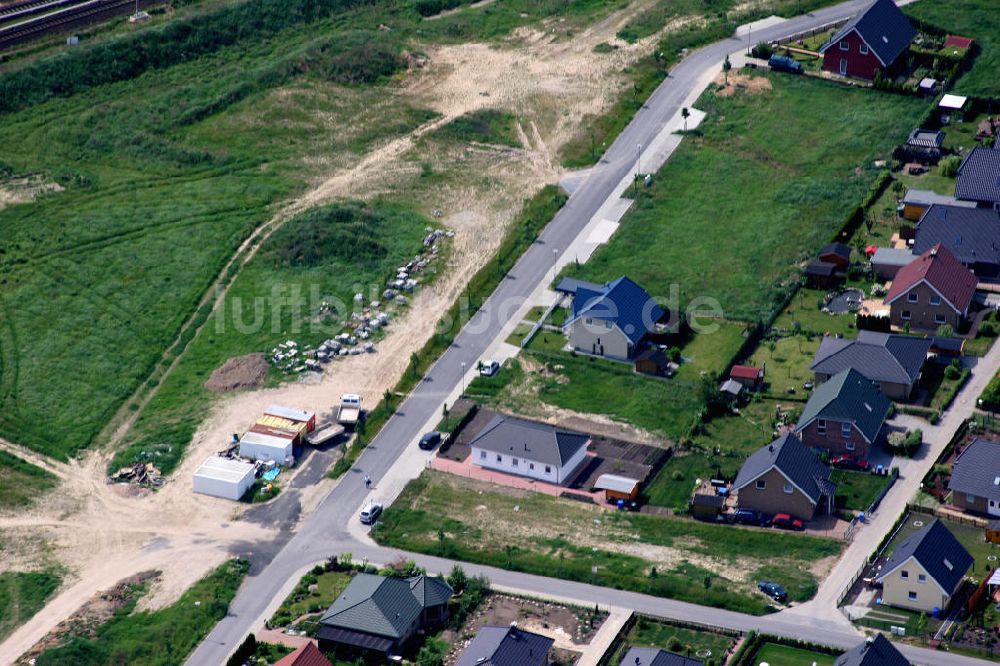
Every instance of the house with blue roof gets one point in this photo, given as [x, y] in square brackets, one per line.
[871, 42]
[610, 319]
[925, 570]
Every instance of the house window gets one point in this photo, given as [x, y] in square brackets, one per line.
[850, 446]
[589, 321]
[548, 469]
[845, 429]
[864, 49]
[531, 466]
[970, 498]
[761, 484]
[788, 489]
[499, 458]
[935, 300]
[844, 46]
[921, 578]
[911, 297]
[904, 573]
[911, 595]
[513, 461]
[905, 314]
[939, 319]
[482, 455]
[820, 426]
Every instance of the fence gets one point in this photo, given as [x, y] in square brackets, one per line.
[811, 33]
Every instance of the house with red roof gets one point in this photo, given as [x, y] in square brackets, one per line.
[307, 655]
[871, 42]
[932, 290]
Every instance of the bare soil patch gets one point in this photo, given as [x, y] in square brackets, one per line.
[239, 372]
[25, 188]
[742, 83]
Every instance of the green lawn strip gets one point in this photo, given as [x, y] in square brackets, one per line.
[22, 594]
[674, 484]
[711, 351]
[783, 655]
[444, 516]
[21, 483]
[739, 435]
[329, 585]
[154, 638]
[943, 383]
[969, 18]
[985, 336]
[804, 313]
[857, 490]
[786, 365]
[788, 165]
[647, 632]
[519, 333]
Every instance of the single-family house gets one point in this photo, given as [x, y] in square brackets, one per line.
[307, 655]
[611, 319]
[785, 477]
[932, 290]
[382, 614]
[844, 415]
[837, 254]
[506, 646]
[869, 43]
[916, 202]
[877, 650]
[526, 448]
[971, 234]
[747, 375]
[894, 362]
[975, 478]
[887, 261]
[640, 656]
[925, 570]
[978, 177]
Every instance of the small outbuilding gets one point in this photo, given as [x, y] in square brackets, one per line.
[887, 261]
[262, 443]
[747, 375]
[303, 416]
[952, 107]
[837, 254]
[916, 202]
[652, 361]
[223, 477]
[993, 536]
[821, 273]
[617, 487]
[707, 507]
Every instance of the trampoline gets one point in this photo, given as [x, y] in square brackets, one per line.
[846, 301]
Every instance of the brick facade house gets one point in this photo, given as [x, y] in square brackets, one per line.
[845, 415]
[871, 42]
[933, 290]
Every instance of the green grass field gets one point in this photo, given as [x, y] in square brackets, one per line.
[674, 484]
[857, 490]
[21, 482]
[22, 595]
[969, 18]
[786, 365]
[714, 565]
[805, 314]
[784, 655]
[647, 632]
[154, 638]
[788, 165]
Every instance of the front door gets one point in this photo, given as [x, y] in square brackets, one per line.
[843, 66]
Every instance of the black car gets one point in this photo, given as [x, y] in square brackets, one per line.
[773, 590]
[430, 440]
[750, 517]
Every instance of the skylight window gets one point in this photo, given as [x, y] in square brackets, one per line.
[948, 564]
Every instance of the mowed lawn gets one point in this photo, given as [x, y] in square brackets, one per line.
[784, 655]
[647, 632]
[970, 18]
[768, 178]
[708, 564]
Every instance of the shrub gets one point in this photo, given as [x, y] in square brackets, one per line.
[952, 373]
[363, 56]
[988, 329]
[949, 166]
[762, 50]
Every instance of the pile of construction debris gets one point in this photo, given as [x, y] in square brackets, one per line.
[143, 474]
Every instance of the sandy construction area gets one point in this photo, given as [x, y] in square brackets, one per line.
[101, 533]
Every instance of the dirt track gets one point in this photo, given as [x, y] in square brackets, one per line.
[101, 533]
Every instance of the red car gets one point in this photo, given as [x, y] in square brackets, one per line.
[849, 462]
[786, 522]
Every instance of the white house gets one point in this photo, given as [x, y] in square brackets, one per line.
[223, 477]
[526, 448]
[611, 319]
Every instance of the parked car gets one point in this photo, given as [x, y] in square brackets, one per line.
[773, 590]
[849, 462]
[750, 517]
[489, 367]
[780, 63]
[370, 513]
[786, 522]
[430, 440]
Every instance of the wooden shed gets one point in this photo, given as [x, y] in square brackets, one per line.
[617, 487]
[993, 531]
[707, 507]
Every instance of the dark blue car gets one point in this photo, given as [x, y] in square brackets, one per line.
[750, 517]
[784, 64]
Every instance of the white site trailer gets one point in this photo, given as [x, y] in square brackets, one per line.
[259, 446]
[223, 477]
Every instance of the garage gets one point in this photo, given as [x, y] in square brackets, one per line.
[224, 477]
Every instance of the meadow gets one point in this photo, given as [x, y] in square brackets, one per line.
[788, 163]
[21, 482]
[22, 594]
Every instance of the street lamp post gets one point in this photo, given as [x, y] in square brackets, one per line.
[748, 38]
[555, 260]
[463, 379]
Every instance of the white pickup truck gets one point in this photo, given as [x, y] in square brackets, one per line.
[350, 409]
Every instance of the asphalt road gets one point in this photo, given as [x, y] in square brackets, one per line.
[324, 533]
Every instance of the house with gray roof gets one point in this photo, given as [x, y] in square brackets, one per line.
[925, 570]
[844, 415]
[382, 614]
[526, 448]
[610, 319]
[506, 646]
[639, 656]
[971, 234]
[978, 177]
[785, 476]
[975, 478]
[870, 43]
[893, 361]
[877, 650]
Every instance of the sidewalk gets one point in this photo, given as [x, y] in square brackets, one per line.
[606, 635]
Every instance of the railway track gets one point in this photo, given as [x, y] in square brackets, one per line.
[25, 8]
[55, 16]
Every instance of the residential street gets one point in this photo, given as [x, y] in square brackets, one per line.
[277, 566]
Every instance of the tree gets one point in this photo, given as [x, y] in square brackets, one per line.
[945, 331]
[457, 579]
[444, 414]
[726, 66]
[920, 624]
[387, 398]
[685, 114]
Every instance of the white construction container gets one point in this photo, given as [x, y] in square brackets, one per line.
[223, 477]
[258, 446]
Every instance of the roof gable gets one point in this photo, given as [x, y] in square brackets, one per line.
[876, 651]
[849, 397]
[539, 442]
[978, 176]
[883, 27]
[971, 234]
[794, 460]
[622, 302]
[977, 470]
[307, 655]
[939, 269]
[506, 646]
[881, 357]
[380, 605]
[937, 550]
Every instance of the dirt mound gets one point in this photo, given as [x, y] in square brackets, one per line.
[239, 372]
[741, 82]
